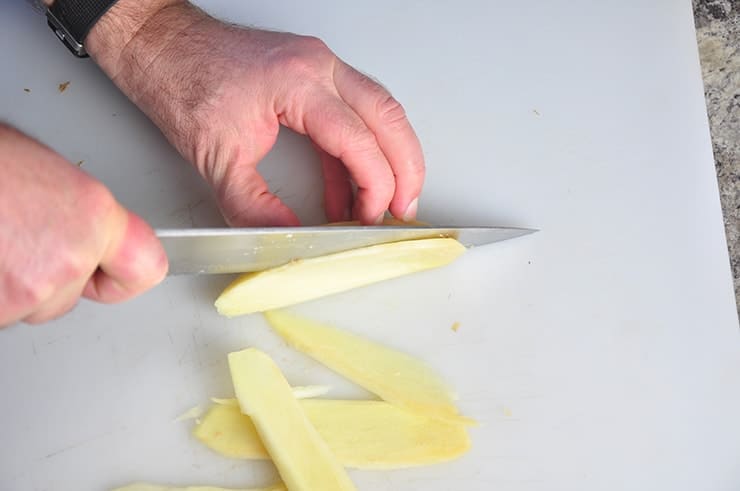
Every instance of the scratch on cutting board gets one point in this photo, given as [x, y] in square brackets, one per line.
[78, 444]
[60, 338]
[185, 212]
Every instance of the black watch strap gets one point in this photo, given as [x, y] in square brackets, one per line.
[71, 21]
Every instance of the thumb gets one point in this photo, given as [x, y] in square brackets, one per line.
[246, 201]
[133, 261]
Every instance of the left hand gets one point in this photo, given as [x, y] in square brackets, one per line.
[219, 94]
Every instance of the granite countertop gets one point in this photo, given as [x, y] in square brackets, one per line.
[718, 35]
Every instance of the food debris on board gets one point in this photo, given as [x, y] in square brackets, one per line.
[193, 413]
[455, 326]
[63, 86]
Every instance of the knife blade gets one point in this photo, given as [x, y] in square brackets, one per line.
[238, 250]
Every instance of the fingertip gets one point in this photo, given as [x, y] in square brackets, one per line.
[374, 196]
[409, 182]
[130, 266]
[366, 210]
[411, 210]
[143, 250]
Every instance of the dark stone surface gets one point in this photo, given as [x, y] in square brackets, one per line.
[718, 36]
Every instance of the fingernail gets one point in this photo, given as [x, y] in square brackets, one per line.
[410, 212]
[379, 220]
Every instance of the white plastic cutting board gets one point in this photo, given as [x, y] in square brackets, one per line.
[602, 353]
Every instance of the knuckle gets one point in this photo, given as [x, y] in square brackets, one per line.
[390, 111]
[301, 67]
[358, 139]
[314, 44]
[305, 57]
[97, 201]
[25, 293]
[417, 168]
[382, 187]
[71, 267]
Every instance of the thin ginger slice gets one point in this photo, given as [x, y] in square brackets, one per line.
[142, 486]
[362, 434]
[394, 376]
[299, 392]
[308, 279]
[302, 457]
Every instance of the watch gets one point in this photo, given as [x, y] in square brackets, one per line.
[71, 21]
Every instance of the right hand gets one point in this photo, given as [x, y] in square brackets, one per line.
[63, 235]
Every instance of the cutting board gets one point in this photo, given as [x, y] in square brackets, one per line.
[601, 353]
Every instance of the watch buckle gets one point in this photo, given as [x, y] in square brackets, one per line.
[65, 36]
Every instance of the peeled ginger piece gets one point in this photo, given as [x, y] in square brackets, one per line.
[394, 376]
[303, 459]
[140, 486]
[308, 279]
[361, 434]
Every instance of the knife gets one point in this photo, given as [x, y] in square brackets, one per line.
[238, 250]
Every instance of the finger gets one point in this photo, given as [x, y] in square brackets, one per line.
[337, 188]
[339, 131]
[246, 201]
[133, 261]
[387, 119]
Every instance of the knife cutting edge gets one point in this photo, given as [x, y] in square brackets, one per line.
[237, 250]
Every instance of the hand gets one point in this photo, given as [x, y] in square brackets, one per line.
[219, 94]
[62, 235]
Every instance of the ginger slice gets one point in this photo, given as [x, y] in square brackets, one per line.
[394, 376]
[302, 457]
[362, 434]
[308, 279]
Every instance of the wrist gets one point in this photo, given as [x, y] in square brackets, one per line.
[116, 29]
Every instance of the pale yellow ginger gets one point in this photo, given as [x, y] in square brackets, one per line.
[394, 376]
[302, 457]
[312, 278]
[361, 434]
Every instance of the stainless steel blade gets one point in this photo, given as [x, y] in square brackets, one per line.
[222, 250]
